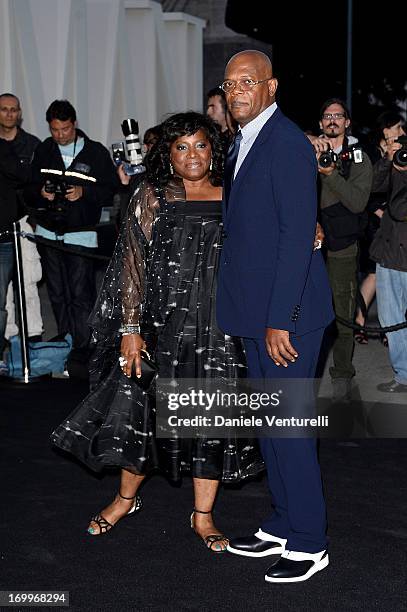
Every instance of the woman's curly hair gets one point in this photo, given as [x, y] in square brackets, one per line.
[181, 124]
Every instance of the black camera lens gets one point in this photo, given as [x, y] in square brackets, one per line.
[326, 159]
[400, 156]
[49, 187]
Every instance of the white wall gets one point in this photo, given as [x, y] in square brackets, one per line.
[111, 58]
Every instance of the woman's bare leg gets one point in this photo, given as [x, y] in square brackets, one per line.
[368, 290]
[205, 492]
[129, 483]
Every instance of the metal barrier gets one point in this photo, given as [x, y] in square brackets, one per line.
[17, 234]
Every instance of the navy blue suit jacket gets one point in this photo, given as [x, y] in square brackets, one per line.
[269, 275]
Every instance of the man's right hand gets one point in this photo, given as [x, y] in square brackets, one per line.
[131, 346]
[391, 148]
[46, 195]
[321, 144]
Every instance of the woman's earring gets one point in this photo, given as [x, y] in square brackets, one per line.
[171, 168]
[211, 165]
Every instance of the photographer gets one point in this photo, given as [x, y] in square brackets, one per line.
[130, 183]
[389, 251]
[73, 178]
[345, 184]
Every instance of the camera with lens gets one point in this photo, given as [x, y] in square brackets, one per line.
[58, 187]
[58, 207]
[128, 152]
[400, 156]
[327, 158]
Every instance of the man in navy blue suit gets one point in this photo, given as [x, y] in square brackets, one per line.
[273, 291]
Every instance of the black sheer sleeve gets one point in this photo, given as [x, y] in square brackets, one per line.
[121, 296]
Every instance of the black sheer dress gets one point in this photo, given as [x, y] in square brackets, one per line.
[163, 276]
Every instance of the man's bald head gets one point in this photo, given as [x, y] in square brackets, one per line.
[260, 59]
[253, 68]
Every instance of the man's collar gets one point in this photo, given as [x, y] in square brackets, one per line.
[351, 141]
[254, 126]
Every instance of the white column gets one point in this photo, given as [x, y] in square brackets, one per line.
[111, 58]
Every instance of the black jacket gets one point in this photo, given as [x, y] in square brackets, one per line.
[24, 145]
[389, 247]
[13, 175]
[92, 169]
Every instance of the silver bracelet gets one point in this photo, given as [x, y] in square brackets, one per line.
[127, 330]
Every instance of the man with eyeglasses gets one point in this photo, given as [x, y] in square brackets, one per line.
[273, 292]
[345, 190]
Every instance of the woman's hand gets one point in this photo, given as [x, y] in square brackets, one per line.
[130, 349]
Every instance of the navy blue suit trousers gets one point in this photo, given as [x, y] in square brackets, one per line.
[293, 471]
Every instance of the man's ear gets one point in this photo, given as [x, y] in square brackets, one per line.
[347, 123]
[273, 84]
[320, 126]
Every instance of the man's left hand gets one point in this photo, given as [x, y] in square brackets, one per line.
[279, 347]
[74, 193]
[319, 236]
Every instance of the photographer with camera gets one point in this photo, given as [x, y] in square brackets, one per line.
[345, 182]
[389, 251]
[73, 178]
[131, 176]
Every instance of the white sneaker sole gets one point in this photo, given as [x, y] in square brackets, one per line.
[317, 567]
[277, 550]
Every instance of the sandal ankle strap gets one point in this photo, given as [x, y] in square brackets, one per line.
[122, 496]
[202, 511]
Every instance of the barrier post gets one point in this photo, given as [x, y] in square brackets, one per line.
[21, 305]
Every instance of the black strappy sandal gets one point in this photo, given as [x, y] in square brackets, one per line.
[104, 525]
[210, 539]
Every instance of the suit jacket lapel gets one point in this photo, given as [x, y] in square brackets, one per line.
[263, 137]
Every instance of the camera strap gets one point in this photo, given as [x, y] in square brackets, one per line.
[74, 149]
[345, 164]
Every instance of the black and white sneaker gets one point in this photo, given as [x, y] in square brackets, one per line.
[296, 566]
[260, 544]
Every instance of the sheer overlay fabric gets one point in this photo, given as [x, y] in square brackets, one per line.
[162, 276]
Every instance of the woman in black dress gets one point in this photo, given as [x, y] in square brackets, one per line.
[159, 293]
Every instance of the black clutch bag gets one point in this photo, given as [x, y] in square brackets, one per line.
[149, 371]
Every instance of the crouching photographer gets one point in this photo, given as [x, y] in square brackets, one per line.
[345, 181]
[73, 177]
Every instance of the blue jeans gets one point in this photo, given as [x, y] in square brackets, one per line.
[6, 275]
[391, 295]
